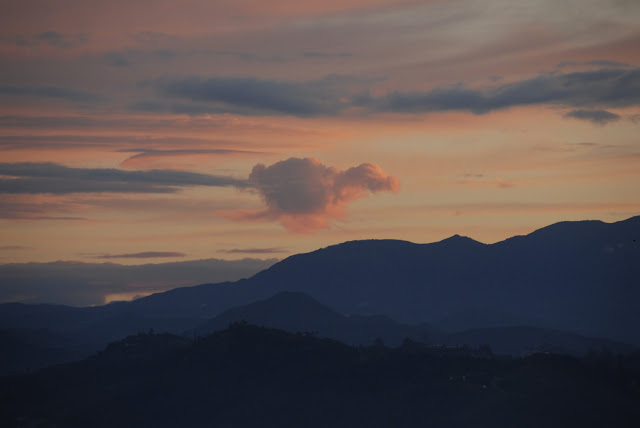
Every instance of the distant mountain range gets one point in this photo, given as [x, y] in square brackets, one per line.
[577, 277]
[298, 312]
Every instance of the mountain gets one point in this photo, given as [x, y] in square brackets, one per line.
[35, 336]
[575, 276]
[478, 317]
[579, 277]
[249, 376]
[23, 350]
[298, 312]
[524, 340]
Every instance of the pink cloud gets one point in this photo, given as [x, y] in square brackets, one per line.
[304, 195]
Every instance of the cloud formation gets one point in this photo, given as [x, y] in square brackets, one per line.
[604, 87]
[58, 92]
[271, 250]
[142, 255]
[615, 85]
[304, 195]
[117, 59]
[51, 38]
[600, 117]
[243, 95]
[33, 178]
[152, 157]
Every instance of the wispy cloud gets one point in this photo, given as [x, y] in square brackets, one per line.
[50, 38]
[14, 248]
[483, 180]
[271, 250]
[58, 92]
[596, 63]
[118, 59]
[324, 55]
[153, 37]
[604, 87]
[259, 96]
[146, 157]
[38, 210]
[141, 255]
[607, 63]
[58, 179]
[600, 117]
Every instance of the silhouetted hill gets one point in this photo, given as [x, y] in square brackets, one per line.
[298, 312]
[35, 336]
[23, 350]
[578, 276]
[483, 318]
[247, 376]
[523, 340]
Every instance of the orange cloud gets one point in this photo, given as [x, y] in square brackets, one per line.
[304, 195]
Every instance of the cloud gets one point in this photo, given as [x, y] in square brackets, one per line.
[600, 117]
[243, 95]
[604, 87]
[153, 37]
[606, 63]
[147, 157]
[33, 178]
[50, 38]
[246, 56]
[317, 54]
[59, 40]
[84, 284]
[272, 250]
[616, 86]
[10, 208]
[118, 59]
[304, 195]
[595, 62]
[563, 64]
[14, 248]
[483, 180]
[142, 255]
[124, 142]
[57, 92]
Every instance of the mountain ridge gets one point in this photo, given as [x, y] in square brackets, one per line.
[539, 275]
[578, 277]
[300, 313]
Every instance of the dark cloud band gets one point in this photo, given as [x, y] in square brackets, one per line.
[58, 179]
[58, 92]
[142, 255]
[258, 96]
[615, 86]
[605, 87]
[272, 250]
[601, 117]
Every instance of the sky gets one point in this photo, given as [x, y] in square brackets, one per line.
[164, 132]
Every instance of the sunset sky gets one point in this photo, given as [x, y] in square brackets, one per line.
[144, 131]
